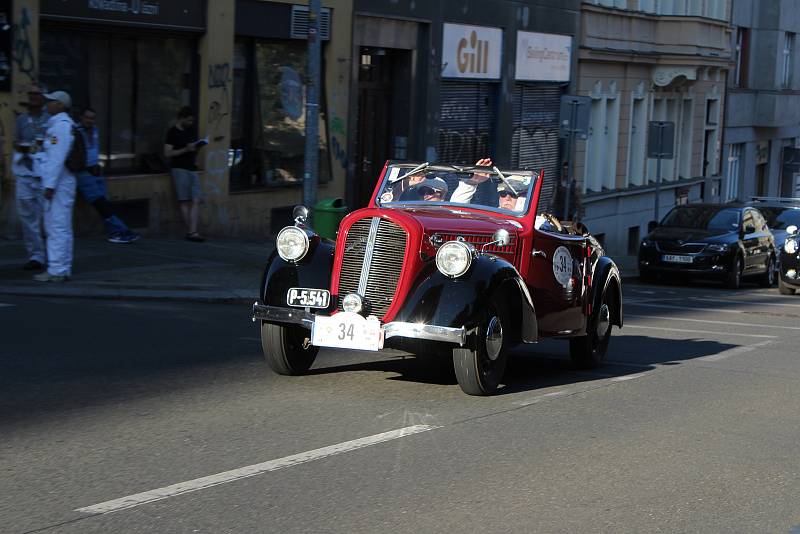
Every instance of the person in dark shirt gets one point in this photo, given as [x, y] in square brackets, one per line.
[181, 148]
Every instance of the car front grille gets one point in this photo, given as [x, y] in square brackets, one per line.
[508, 252]
[377, 274]
[675, 248]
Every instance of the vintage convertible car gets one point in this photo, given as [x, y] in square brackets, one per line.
[445, 260]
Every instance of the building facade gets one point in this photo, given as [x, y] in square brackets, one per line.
[642, 61]
[762, 121]
[240, 64]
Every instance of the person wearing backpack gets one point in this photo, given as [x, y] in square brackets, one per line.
[92, 183]
[58, 185]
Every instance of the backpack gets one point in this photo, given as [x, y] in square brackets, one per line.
[76, 159]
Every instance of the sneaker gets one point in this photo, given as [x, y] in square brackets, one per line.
[47, 277]
[196, 237]
[33, 265]
[119, 237]
[133, 236]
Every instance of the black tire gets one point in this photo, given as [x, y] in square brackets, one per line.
[784, 288]
[769, 278]
[480, 369]
[590, 350]
[287, 349]
[734, 278]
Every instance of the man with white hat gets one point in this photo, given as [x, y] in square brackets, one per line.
[58, 184]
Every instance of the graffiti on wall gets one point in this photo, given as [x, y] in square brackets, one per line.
[219, 78]
[22, 53]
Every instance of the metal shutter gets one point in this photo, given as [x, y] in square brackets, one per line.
[535, 144]
[466, 121]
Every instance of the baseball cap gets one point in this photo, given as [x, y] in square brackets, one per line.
[437, 184]
[35, 88]
[519, 183]
[60, 96]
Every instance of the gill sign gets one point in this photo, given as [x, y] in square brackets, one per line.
[471, 51]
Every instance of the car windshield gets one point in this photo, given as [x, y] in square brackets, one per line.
[778, 218]
[703, 218]
[483, 187]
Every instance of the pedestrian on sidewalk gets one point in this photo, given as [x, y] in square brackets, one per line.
[92, 183]
[181, 147]
[58, 184]
[29, 133]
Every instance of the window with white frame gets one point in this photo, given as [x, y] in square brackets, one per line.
[637, 140]
[601, 154]
[742, 46]
[788, 56]
[665, 108]
[733, 171]
[685, 138]
[710, 155]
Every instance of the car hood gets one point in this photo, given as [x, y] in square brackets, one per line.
[692, 235]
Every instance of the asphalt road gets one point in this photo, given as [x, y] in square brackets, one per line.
[114, 416]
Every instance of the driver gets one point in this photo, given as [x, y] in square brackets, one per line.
[508, 199]
[431, 189]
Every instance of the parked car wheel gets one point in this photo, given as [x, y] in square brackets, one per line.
[768, 279]
[785, 289]
[590, 350]
[480, 369]
[287, 349]
[734, 278]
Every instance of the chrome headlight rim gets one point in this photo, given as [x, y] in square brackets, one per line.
[460, 247]
[294, 230]
[790, 246]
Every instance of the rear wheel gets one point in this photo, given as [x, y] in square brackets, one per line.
[287, 349]
[784, 288]
[734, 278]
[590, 350]
[480, 369]
[769, 277]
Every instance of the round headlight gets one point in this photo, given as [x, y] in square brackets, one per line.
[790, 246]
[292, 243]
[453, 258]
[352, 302]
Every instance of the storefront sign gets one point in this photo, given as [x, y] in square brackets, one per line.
[543, 57]
[174, 14]
[471, 51]
[5, 44]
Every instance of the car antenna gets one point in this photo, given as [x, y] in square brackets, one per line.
[500, 174]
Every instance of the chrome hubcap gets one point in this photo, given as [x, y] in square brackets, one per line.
[603, 321]
[494, 338]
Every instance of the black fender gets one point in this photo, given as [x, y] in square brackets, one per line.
[606, 278]
[455, 302]
[313, 271]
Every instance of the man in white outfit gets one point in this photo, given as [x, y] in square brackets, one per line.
[58, 185]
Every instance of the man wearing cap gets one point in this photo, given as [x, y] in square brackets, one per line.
[58, 184]
[29, 130]
[509, 198]
[431, 189]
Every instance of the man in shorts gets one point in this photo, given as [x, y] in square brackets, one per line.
[181, 148]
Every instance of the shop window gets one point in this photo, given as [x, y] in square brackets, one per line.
[136, 84]
[268, 122]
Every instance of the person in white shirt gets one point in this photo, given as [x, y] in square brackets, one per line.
[58, 184]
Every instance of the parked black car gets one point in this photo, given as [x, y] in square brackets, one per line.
[780, 213]
[722, 241]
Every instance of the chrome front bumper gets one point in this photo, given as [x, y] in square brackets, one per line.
[275, 314]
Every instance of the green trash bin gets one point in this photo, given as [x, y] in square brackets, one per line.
[327, 215]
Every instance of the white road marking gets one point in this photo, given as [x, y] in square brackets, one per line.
[180, 488]
[727, 323]
[740, 301]
[698, 331]
[682, 308]
[733, 352]
[539, 398]
[627, 377]
[4, 305]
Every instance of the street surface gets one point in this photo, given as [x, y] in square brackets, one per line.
[131, 417]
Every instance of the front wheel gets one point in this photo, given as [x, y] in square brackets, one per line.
[480, 369]
[590, 350]
[784, 288]
[734, 278]
[769, 277]
[287, 349]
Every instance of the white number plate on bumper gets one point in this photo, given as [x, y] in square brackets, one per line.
[308, 298]
[676, 259]
[347, 330]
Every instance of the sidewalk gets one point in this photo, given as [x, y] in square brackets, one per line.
[219, 270]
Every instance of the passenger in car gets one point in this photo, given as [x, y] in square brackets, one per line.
[431, 190]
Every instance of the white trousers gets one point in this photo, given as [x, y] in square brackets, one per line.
[30, 207]
[58, 227]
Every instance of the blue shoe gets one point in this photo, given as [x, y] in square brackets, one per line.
[133, 236]
[119, 237]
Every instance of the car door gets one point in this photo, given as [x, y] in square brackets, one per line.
[556, 281]
[751, 242]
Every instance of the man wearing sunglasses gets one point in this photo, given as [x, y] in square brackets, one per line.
[432, 189]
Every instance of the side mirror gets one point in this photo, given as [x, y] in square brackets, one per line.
[300, 214]
[791, 229]
[652, 225]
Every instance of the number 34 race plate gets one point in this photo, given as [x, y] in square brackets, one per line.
[347, 330]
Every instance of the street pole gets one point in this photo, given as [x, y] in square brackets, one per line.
[311, 170]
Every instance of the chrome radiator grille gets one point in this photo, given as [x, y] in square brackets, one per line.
[379, 246]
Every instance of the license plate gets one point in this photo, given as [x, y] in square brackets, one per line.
[308, 298]
[347, 330]
[677, 259]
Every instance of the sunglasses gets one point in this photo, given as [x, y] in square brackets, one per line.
[427, 191]
[507, 194]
